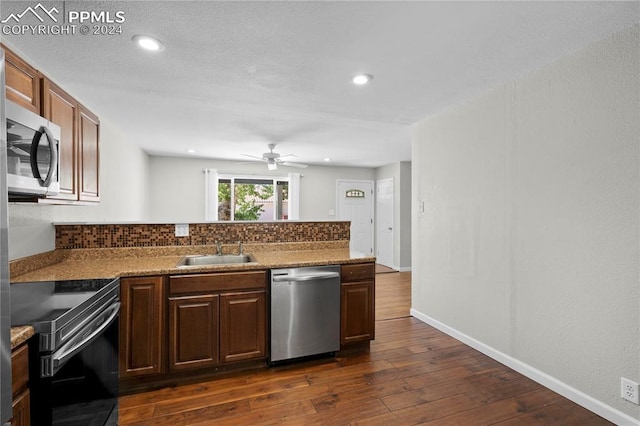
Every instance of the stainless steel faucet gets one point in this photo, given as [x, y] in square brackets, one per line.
[240, 248]
[219, 247]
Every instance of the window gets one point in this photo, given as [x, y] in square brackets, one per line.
[256, 198]
[252, 199]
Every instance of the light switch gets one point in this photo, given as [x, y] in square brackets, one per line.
[182, 229]
[332, 212]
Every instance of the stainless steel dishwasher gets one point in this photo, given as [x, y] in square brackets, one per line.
[305, 312]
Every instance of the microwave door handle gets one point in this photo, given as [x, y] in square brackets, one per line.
[53, 157]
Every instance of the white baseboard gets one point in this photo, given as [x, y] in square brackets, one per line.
[398, 268]
[580, 398]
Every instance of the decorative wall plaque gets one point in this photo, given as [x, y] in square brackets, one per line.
[354, 193]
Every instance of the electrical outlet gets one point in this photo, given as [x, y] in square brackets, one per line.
[182, 230]
[630, 391]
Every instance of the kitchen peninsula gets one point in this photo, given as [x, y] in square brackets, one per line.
[162, 302]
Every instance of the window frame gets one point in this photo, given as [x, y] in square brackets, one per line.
[232, 177]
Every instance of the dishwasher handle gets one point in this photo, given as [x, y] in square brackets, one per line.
[308, 277]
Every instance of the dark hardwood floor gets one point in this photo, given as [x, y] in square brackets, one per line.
[412, 374]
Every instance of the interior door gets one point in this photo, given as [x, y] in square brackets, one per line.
[355, 204]
[384, 222]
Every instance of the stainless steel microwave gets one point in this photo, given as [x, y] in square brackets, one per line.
[32, 153]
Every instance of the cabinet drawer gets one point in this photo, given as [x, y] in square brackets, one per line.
[224, 281]
[358, 272]
[19, 369]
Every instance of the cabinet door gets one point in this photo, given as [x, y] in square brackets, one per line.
[243, 326]
[141, 326]
[22, 82]
[19, 369]
[19, 382]
[88, 155]
[21, 409]
[193, 331]
[60, 108]
[357, 312]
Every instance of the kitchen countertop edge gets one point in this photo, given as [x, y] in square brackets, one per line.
[56, 266]
[20, 334]
[108, 266]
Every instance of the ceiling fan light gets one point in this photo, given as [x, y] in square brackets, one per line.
[271, 165]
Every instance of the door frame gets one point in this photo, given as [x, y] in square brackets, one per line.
[379, 225]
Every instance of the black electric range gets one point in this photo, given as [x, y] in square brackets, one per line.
[58, 309]
[73, 364]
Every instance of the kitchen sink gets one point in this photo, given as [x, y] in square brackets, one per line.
[214, 259]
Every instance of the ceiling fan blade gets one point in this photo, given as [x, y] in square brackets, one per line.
[253, 156]
[298, 165]
[245, 162]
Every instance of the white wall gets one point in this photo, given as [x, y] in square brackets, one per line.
[177, 186]
[405, 216]
[529, 242]
[123, 197]
[401, 174]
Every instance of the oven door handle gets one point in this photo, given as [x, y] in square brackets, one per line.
[60, 357]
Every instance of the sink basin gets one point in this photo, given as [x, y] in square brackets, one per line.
[212, 259]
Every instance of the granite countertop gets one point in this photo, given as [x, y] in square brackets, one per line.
[140, 261]
[108, 263]
[20, 335]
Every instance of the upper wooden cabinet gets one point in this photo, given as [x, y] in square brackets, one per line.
[79, 154]
[88, 155]
[80, 129]
[60, 108]
[22, 81]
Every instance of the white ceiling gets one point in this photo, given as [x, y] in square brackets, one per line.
[237, 75]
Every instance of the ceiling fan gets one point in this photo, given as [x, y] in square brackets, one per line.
[273, 159]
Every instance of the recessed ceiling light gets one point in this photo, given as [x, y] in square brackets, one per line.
[327, 159]
[191, 151]
[362, 79]
[148, 43]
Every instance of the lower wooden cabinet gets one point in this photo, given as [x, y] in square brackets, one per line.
[206, 330]
[357, 300]
[193, 331]
[21, 409]
[19, 386]
[217, 318]
[141, 326]
[178, 327]
[243, 326]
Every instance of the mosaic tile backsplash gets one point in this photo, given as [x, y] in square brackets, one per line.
[154, 235]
